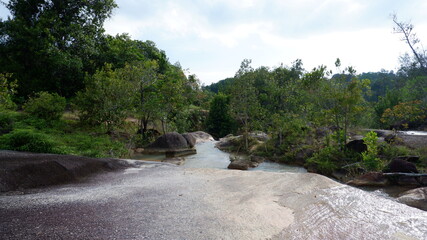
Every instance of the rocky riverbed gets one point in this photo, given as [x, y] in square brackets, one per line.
[163, 201]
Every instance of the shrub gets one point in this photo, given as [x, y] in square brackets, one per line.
[28, 141]
[48, 106]
[370, 157]
[7, 90]
[6, 123]
[390, 151]
[326, 160]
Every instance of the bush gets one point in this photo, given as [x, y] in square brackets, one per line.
[326, 160]
[28, 141]
[390, 151]
[7, 90]
[48, 106]
[370, 157]
[6, 123]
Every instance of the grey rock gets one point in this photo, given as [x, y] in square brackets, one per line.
[415, 198]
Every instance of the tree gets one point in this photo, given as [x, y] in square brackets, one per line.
[220, 122]
[406, 29]
[244, 102]
[49, 44]
[170, 87]
[142, 76]
[106, 99]
[344, 100]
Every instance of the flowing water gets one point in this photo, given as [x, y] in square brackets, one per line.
[208, 156]
[414, 133]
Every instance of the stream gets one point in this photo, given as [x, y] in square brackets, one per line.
[208, 156]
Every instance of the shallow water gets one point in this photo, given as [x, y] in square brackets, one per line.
[208, 156]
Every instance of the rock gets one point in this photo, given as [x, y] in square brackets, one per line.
[260, 136]
[239, 165]
[408, 181]
[139, 150]
[239, 162]
[226, 142]
[191, 140]
[21, 170]
[412, 159]
[202, 136]
[340, 174]
[170, 141]
[255, 161]
[392, 138]
[400, 165]
[415, 198]
[369, 179]
[357, 146]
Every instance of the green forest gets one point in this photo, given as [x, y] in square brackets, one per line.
[67, 87]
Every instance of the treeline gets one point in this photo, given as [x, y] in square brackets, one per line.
[55, 56]
[59, 47]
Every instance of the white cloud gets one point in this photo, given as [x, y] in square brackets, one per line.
[211, 37]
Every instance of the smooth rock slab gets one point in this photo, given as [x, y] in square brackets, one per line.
[161, 201]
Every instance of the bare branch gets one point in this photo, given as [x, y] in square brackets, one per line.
[411, 39]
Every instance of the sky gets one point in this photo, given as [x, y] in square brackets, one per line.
[210, 38]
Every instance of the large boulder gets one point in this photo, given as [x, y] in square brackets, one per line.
[169, 141]
[400, 165]
[202, 137]
[227, 142]
[357, 146]
[191, 140]
[415, 198]
[412, 159]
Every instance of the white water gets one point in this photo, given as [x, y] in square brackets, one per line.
[415, 133]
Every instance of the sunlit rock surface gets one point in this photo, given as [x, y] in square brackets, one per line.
[161, 201]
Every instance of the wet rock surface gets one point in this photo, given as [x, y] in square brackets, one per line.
[161, 201]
